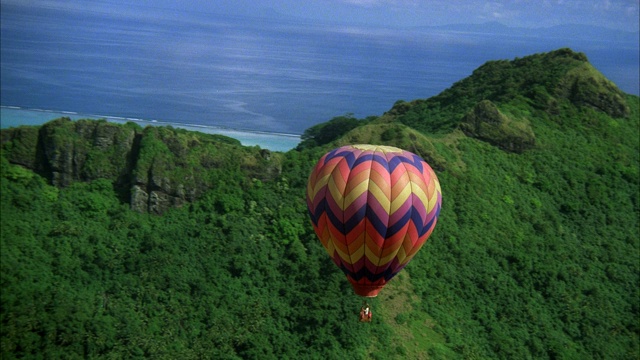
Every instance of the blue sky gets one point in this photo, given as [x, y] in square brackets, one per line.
[615, 14]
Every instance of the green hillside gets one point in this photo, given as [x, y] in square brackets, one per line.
[122, 242]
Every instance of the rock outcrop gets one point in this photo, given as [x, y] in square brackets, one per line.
[486, 122]
[69, 151]
[585, 86]
[153, 169]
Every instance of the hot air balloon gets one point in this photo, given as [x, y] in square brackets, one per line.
[372, 208]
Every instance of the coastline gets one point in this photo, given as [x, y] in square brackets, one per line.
[14, 116]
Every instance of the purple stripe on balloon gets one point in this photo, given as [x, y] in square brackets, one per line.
[418, 206]
[345, 266]
[371, 267]
[374, 206]
[356, 206]
[400, 212]
[386, 272]
[359, 265]
[390, 269]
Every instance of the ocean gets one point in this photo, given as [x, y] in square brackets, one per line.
[253, 75]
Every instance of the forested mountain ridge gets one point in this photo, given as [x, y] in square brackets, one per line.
[535, 254]
[505, 94]
[550, 83]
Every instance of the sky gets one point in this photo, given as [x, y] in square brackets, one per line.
[614, 14]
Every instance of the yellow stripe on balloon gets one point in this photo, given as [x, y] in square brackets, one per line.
[418, 191]
[336, 192]
[357, 255]
[329, 246]
[401, 198]
[401, 255]
[320, 183]
[386, 259]
[356, 244]
[343, 255]
[380, 195]
[432, 202]
[372, 256]
[354, 194]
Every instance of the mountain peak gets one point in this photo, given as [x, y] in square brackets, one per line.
[545, 82]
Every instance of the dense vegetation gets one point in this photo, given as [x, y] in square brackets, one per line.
[535, 256]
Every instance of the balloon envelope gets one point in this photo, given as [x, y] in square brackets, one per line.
[372, 208]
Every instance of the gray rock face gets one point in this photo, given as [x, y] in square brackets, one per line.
[84, 150]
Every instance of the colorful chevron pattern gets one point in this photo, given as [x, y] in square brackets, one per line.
[372, 208]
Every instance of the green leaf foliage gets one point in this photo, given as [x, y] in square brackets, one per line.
[535, 255]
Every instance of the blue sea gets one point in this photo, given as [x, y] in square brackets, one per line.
[254, 75]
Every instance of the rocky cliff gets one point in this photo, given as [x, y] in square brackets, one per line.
[153, 169]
